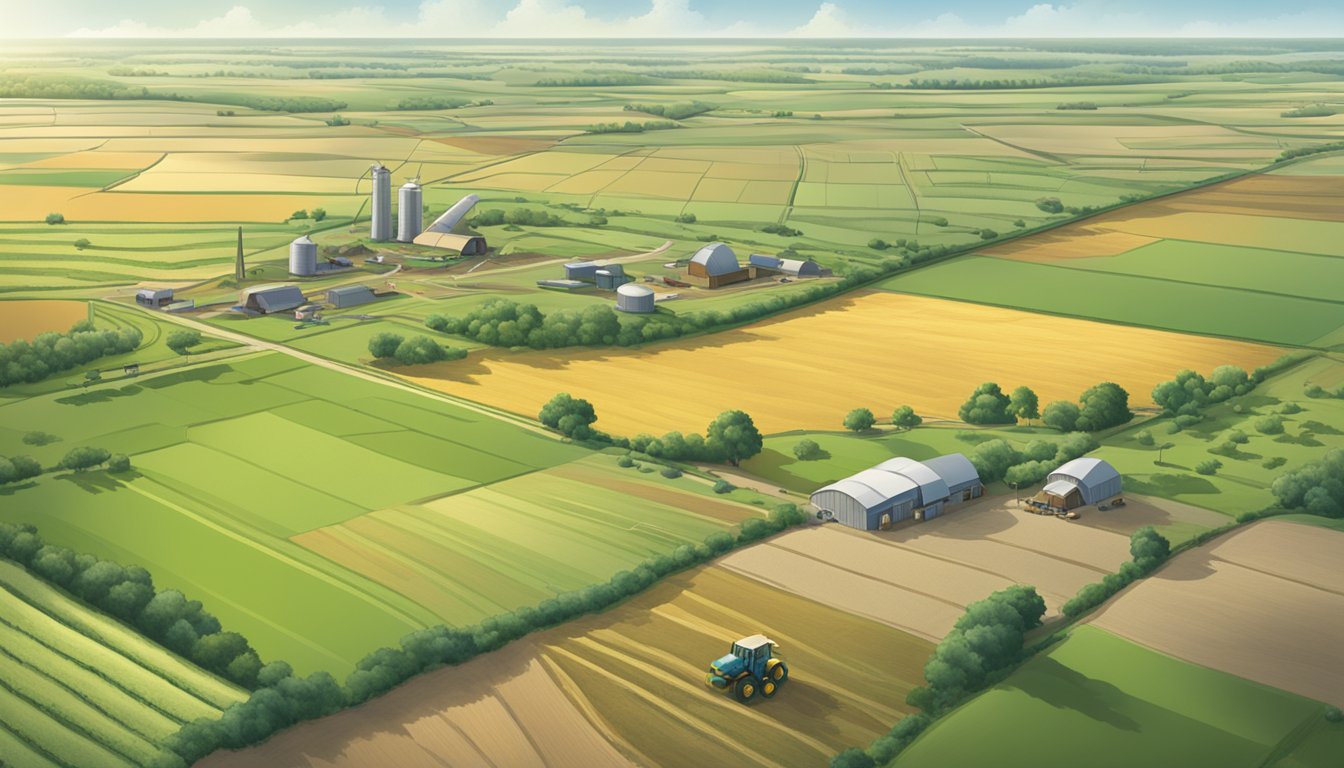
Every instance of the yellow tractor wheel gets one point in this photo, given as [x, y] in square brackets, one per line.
[768, 688]
[746, 688]
[777, 670]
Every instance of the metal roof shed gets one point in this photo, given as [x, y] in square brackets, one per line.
[1095, 479]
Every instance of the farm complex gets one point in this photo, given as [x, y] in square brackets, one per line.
[861, 403]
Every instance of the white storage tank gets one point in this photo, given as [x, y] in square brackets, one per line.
[633, 297]
[303, 257]
[380, 225]
[410, 211]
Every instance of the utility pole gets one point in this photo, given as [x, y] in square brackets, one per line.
[238, 266]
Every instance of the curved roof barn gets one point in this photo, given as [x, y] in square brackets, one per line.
[717, 259]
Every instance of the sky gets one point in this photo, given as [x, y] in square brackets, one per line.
[668, 18]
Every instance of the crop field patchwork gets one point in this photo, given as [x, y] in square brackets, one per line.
[79, 688]
[911, 350]
[21, 319]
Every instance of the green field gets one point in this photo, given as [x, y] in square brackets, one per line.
[1193, 307]
[79, 688]
[1108, 702]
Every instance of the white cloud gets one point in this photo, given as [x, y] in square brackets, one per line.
[830, 20]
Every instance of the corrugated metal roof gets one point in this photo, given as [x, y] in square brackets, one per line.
[454, 216]
[1090, 471]
[954, 468]
[717, 259]
[1060, 487]
[931, 486]
[444, 240]
[759, 260]
[349, 290]
[872, 487]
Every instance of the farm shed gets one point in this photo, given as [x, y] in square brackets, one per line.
[350, 296]
[266, 299]
[899, 489]
[609, 278]
[581, 270]
[467, 245]
[634, 298]
[801, 268]
[715, 265]
[763, 262]
[154, 297]
[1080, 482]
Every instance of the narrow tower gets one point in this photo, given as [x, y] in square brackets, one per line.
[238, 269]
[410, 201]
[380, 229]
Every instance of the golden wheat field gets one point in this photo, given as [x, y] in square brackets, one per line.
[26, 319]
[807, 369]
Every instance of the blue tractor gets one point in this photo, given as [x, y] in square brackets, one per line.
[750, 669]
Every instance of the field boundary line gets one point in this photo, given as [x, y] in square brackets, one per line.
[37, 749]
[75, 729]
[572, 692]
[862, 574]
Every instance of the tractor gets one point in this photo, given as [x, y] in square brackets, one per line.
[750, 669]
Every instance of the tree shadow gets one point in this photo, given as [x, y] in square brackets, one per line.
[1168, 485]
[1319, 428]
[104, 395]
[95, 481]
[1069, 689]
[1305, 439]
[205, 373]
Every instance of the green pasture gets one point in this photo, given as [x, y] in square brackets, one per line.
[1119, 704]
[1255, 315]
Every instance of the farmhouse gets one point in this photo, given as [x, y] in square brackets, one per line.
[350, 296]
[1079, 483]
[154, 297]
[265, 299]
[715, 265]
[899, 489]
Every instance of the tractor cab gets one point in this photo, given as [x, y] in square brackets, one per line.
[750, 667]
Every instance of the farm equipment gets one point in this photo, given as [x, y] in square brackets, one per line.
[749, 669]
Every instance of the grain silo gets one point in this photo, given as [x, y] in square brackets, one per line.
[410, 210]
[632, 297]
[380, 228]
[303, 257]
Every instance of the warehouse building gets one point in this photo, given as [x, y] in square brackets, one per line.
[303, 257]
[581, 270]
[350, 296]
[715, 265]
[154, 297]
[611, 277]
[1078, 483]
[635, 298]
[266, 299]
[899, 489]
[764, 266]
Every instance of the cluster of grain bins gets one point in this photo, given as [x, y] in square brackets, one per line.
[899, 489]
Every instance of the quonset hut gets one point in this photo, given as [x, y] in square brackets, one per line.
[1080, 482]
[715, 265]
[899, 489]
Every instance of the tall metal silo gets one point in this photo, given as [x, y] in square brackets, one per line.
[303, 257]
[410, 211]
[380, 228]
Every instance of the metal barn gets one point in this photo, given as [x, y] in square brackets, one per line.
[1081, 482]
[899, 489]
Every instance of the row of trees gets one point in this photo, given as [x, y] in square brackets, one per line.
[1147, 548]
[862, 419]
[51, 353]
[679, 110]
[518, 217]
[1317, 488]
[284, 700]
[732, 436]
[630, 126]
[1099, 407]
[504, 323]
[1187, 395]
[1001, 460]
[416, 350]
[128, 593]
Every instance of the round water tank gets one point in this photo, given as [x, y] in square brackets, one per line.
[633, 297]
[303, 257]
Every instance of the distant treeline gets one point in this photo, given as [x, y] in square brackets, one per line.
[440, 102]
[292, 104]
[1309, 110]
[1334, 146]
[53, 87]
[133, 72]
[1321, 66]
[954, 84]
[890, 69]
[596, 81]
[732, 76]
[676, 111]
[629, 126]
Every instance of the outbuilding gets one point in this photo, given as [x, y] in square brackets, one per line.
[266, 299]
[154, 297]
[350, 296]
[715, 265]
[635, 298]
[612, 277]
[1080, 482]
[800, 268]
[581, 270]
[899, 489]
[467, 245]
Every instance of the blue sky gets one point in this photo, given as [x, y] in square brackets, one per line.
[668, 18]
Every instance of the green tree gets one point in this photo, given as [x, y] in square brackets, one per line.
[383, 345]
[905, 417]
[55, 218]
[860, 420]
[92, 376]
[319, 214]
[1102, 406]
[1062, 415]
[734, 436]
[569, 415]
[987, 405]
[1023, 404]
[1209, 467]
[82, 243]
[84, 457]
[807, 450]
[1148, 548]
[1269, 425]
[419, 350]
[878, 244]
[119, 462]
[181, 341]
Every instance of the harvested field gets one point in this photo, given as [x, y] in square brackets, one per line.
[25, 319]
[920, 577]
[1066, 243]
[1265, 603]
[860, 340]
[627, 687]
